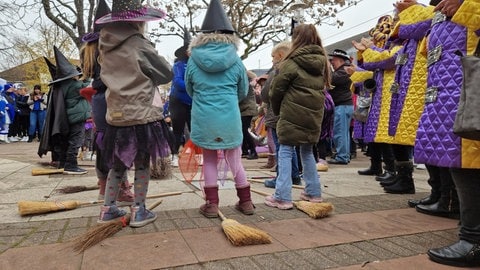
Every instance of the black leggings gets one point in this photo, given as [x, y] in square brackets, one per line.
[180, 113]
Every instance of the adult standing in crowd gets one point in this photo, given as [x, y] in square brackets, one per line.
[248, 109]
[38, 105]
[22, 117]
[342, 97]
[454, 29]
[180, 103]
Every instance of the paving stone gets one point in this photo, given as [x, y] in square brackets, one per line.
[394, 248]
[244, 263]
[380, 253]
[316, 258]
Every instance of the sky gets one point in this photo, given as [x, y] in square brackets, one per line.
[357, 19]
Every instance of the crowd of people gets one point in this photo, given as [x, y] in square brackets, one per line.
[395, 100]
[23, 112]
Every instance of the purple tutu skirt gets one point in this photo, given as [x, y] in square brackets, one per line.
[126, 143]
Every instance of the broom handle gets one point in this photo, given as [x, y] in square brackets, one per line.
[259, 192]
[148, 197]
[155, 204]
[221, 215]
[261, 181]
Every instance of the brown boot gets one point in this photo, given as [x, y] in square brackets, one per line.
[270, 162]
[210, 208]
[245, 204]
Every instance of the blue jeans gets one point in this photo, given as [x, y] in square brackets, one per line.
[295, 171]
[341, 131]
[37, 119]
[283, 187]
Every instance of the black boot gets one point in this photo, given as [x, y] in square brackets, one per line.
[462, 254]
[30, 138]
[435, 183]
[374, 169]
[386, 176]
[403, 181]
[447, 205]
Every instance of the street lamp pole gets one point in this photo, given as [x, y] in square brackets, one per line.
[274, 6]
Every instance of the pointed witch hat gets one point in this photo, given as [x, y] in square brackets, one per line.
[216, 19]
[51, 68]
[65, 70]
[102, 10]
[182, 51]
[131, 11]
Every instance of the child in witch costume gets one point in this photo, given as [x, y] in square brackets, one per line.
[77, 111]
[132, 70]
[91, 69]
[217, 80]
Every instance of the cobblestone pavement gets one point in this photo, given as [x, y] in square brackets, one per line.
[367, 230]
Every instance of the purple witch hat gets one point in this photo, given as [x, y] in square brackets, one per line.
[131, 11]
[102, 10]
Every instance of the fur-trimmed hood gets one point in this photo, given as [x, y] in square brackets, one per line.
[204, 38]
[213, 52]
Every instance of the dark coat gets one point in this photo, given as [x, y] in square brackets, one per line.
[297, 96]
[56, 122]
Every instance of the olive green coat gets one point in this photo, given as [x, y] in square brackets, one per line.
[296, 96]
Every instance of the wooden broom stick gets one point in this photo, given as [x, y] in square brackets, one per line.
[242, 235]
[102, 231]
[37, 207]
[262, 181]
[44, 171]
[313, 210]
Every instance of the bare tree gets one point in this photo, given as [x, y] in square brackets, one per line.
[255, 21]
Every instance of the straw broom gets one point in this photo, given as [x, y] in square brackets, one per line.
[313, 210]
[75, 189]
[101, 232]
[242, 235]
[261, 181]
[36, 207]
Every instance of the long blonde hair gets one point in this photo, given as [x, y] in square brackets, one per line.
[88, 55]
[306, 34]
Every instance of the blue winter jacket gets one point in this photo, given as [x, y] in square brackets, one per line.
[177, 90]
[216, 80]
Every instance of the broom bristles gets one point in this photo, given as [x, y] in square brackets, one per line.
[98, 233]
[314, 210]
[242, 235]
[75, 189]
[101, 232]
[33, 207]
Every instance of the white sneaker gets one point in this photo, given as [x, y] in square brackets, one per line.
[12, 139]
[24, 139]
[174, 160]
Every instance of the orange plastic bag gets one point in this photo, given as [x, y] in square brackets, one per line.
[188, 160]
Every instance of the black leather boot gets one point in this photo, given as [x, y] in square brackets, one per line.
[435, 183]
[447, 205]
[386, 176]
[462, 254]
[403, 181]
[374, 169]
[430, 199]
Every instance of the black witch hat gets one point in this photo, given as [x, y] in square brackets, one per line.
[182, 51]
[51, 68]
[102, 10]
[65, 70]
[216, 19]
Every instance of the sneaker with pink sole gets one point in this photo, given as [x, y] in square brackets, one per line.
[305, 197]
[272, 202]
